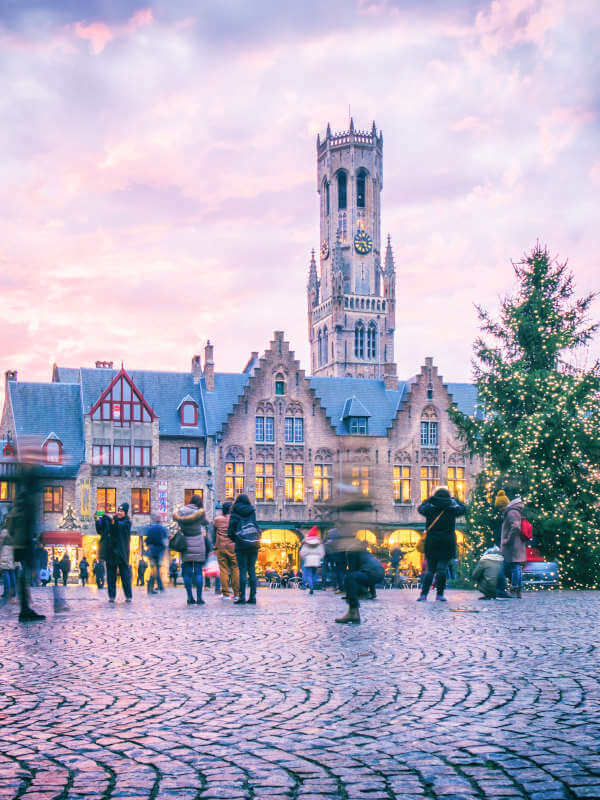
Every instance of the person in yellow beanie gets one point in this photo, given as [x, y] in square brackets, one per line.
[501, 500]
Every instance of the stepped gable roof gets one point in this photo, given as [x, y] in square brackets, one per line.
[334, 394]
[219, 403]
[354, 408]
[41, 409]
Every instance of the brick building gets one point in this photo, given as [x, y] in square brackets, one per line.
[281, 436]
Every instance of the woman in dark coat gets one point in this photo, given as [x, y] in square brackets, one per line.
[246, 551]
[440, 512]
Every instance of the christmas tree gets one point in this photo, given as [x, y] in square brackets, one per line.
[537, 426]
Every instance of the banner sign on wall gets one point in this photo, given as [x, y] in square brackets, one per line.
[162, 498]
[85, 500]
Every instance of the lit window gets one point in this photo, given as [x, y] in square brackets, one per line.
[53, 452]
[429, 480]
[140, 501]
[360, 479]
[429, 434]
[122, 405]
[188, 456]
[359, 425]
[189, 493]
[189, 414]
[265, 482]
[234, 479]
[53, 499]
[322, 482]
[456, 482]
[401, 484]
[294, 483]
[7, 492]
[106, 500]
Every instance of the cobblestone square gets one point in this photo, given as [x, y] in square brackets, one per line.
[164, 701]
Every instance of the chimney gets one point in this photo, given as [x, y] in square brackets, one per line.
[104, 364]
[196, 368]
[209, 367]
[390, 377]
[9, 375]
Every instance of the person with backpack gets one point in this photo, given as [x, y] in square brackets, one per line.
[193, 524]
[516, 531]
[440, 512]
[244, 532]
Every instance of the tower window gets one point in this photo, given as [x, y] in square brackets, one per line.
[372, 341]
[430, 391]
[326, 190]
[360, 190]
[342, 190]
[359, 340]
[279, 384]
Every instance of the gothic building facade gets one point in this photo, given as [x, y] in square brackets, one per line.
[272, 431]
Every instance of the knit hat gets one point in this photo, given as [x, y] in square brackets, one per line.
[124, 507]
[501, 500]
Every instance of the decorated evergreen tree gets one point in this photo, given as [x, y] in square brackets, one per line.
[538, 424]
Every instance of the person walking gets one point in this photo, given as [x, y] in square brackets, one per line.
[244, 532]
[193, 524]
[65, 568]
[312, 553]
[157, 537]
[364, 572]
[7, 566]
[56, 571]
[485, 575]
[513, 544]
[99, 573]
[440, 512]
[225, 550]
[84, 571]
[396, 556]
[141, 572]
[115, 536]
[173, 572]
[336, 558]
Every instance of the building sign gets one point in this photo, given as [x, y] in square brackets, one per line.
[85, 500]
[162, 499]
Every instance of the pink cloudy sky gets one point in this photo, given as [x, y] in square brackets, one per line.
[158, 167]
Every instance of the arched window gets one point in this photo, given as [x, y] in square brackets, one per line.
[342, 190]
[189, 413]
[359, 340]
[53, 451]
[361, 189]
[372, 341]
[320, 348]
[325, 345]
[279, 383]
[326, 195]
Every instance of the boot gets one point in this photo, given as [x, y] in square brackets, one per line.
[517, 593]
[29, 615]
[372, 593]
[352, 616]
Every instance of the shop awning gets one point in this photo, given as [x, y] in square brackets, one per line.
[62, 537]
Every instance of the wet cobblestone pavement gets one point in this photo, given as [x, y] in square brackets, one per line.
[160, 700]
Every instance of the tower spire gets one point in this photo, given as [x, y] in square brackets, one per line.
[390, 267]
[312, 271]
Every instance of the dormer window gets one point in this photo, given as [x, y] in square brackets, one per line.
[189, 414]
[52, 451]
[122, 403]
[359, 425]
[9, 450]
[279, 384]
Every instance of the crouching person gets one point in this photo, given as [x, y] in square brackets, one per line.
[364, 572]
[487, 572]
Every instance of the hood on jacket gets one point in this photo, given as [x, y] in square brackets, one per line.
[190, 513]
[441, 501]
[242, 506]
[516, 503]
[312, 541]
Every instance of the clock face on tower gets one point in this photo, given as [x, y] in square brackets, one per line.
[363, 243]
[324, 249]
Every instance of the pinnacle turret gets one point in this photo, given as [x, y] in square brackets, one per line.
[390, 267]
[313, 281]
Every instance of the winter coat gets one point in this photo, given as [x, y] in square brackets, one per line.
[333, 541]
[141, 568]
[242, 512]
[397, 555]
[363, 561]
[156, 540]
[65, 565]
[440, 539]
[487, 571]
[192, 521]
[512, 542]
[173, 568]
[114, 539]
[222, 540]
[56, 569]
[84, 568]
[312, 552]
[99, 570]
[7, 551]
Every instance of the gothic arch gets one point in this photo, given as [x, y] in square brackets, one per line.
[429, 413]
[235, 453]
[294, 409]
[402, 457]
[324, 454]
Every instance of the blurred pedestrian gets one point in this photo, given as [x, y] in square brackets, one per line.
[157, 537]
[312, 553]
[56, 571]
[99, 573]
[485, 574]
[65, 568]
[115, 535]
[44, 576]
[141, 572]
[336, 558]
[84, 571]
[364, 572]
[225, 550]
[7, 565]
[244, 532]
[396, 556]
[173, 571]
[192, 521]
[440, 512]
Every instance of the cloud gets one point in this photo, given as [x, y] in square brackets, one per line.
[100, 34]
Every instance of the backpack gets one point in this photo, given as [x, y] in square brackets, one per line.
[526, 529]
[249, 534]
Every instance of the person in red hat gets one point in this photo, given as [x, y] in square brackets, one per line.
[312, 554]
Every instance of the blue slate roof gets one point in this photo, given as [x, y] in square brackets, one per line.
[219, 403]
[354, 408]
[40, 409]
[334, 393]
[465, 397]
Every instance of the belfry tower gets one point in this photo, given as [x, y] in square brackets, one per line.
[351, 299]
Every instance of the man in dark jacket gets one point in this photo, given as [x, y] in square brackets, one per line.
[141, 571]
[115, 535]
[99, 573]
[440, 512]
[246, 552]
[157, 537]
[65, 567]
[364, 572]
